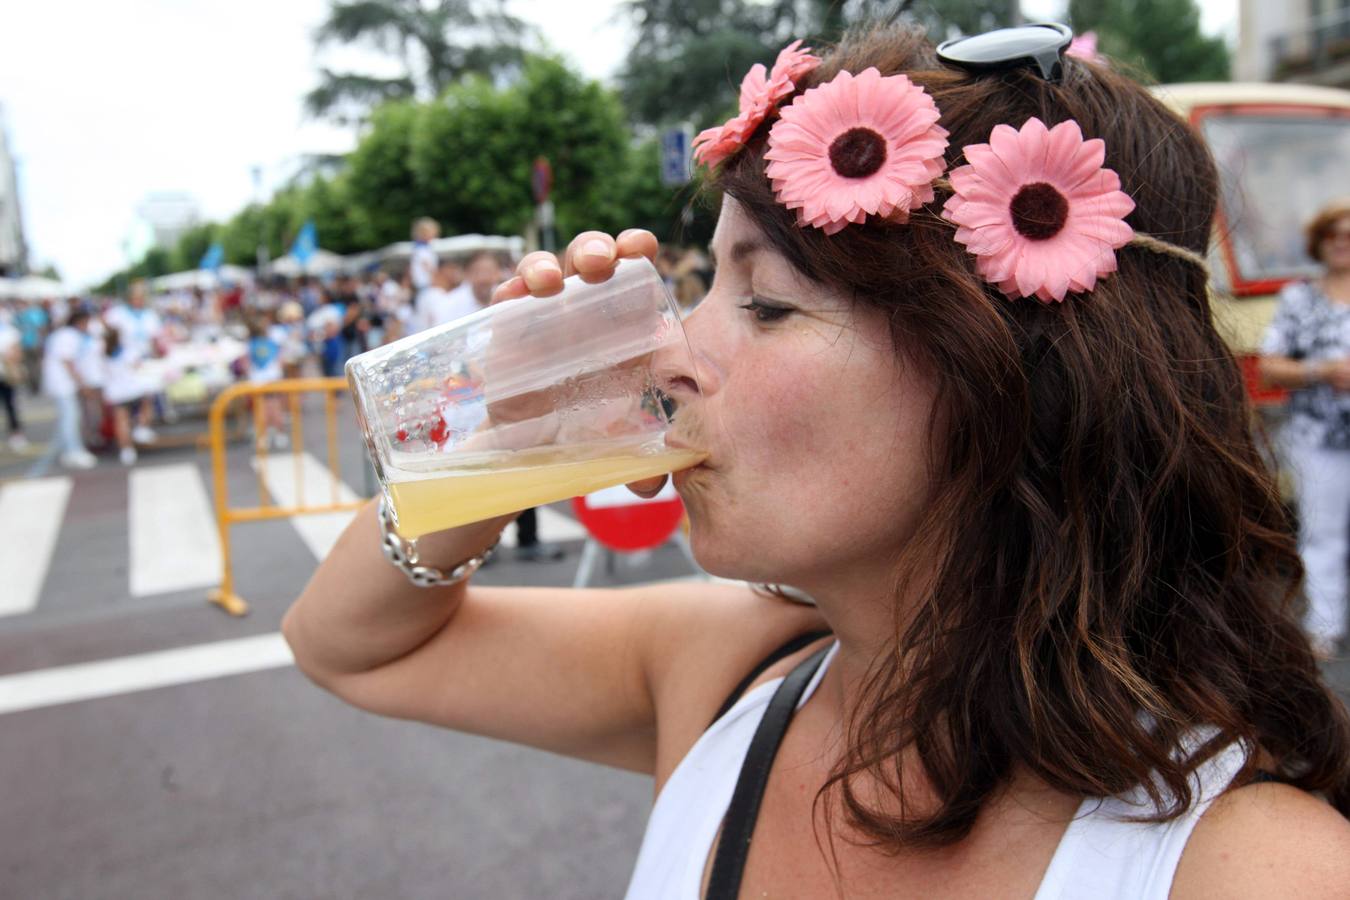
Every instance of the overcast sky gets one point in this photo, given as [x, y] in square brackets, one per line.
[107, 102]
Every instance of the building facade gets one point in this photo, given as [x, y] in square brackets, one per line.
[1306, 41]
[13, 248]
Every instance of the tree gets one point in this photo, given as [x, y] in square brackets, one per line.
[689, 55]
[435, 41]
[192, 246]
[379, 177]
[1129, 30]
[327, 201]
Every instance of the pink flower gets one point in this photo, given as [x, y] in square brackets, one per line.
[1084, 46]
[760, 94]
[792, 63]
[856, 147]
[1038, 210]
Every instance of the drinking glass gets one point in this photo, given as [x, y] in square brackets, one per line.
[527, 402]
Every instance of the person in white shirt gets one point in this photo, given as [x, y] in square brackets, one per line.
[92, 365]
[442, 301]
[61, 381]
[482, 274]
[140, 328]
[123, 389]
[423, 265]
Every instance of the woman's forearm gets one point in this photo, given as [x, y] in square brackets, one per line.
[359, 612]
[1285, 372]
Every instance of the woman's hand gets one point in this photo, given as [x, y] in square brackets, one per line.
[592, 255]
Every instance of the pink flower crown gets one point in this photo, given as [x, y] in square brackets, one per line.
[1035, 206]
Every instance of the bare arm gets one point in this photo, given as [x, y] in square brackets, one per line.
[1286, 372]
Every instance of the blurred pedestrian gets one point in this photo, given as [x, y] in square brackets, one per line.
[123, 390]
[289, 333]
[92, 364]
[141, 330]
[264, 367]
[11, 376]
[1307, 349]
[33, 323]
[443, 300]
[61, 381]
[423, 263]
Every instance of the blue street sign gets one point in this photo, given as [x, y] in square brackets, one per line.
[674, 157]
[306, 243]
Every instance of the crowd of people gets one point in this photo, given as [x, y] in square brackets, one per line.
[115, 368]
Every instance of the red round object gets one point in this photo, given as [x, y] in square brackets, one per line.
[629, 524]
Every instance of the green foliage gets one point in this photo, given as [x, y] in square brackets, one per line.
[380, 180]
[328, 203]
[689, 55]
[192, 246]
[1162, 38]
[437, 43]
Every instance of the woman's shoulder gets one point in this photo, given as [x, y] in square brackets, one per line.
[1266, 840]
[707, 638]
[1300, 291]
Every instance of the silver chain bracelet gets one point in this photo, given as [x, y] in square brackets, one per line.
[403, 554]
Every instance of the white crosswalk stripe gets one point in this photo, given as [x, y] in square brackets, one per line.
[174, 542]
[30, 519]
[319, 531]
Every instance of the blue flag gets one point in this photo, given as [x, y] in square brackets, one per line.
[213, 257]
[306, 242]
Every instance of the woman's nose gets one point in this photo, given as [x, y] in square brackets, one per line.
[685, 364]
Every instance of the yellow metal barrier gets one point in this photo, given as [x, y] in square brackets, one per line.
[226, 515]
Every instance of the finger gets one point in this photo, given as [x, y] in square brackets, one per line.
[637, 242]
[511, 289]
[541, 273]
[648, 488]
[590, 255]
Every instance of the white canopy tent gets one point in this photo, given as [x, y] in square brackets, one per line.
[322, 262]
[459, 247]
[32, 288]
[201, 278]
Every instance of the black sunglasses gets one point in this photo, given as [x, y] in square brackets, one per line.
[1041, 45]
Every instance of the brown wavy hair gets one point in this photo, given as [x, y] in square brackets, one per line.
[1323, 223]
[1114, 567]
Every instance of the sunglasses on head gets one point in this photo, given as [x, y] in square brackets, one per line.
[1041, 45]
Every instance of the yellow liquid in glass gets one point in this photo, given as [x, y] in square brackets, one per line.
[465, 495]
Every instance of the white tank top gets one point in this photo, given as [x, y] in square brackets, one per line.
[1100, 857]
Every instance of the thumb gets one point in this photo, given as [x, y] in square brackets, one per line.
[647, 488]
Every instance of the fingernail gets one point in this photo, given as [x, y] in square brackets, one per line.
[540, 268]
[595, 248]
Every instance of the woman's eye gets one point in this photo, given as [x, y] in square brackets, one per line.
[765, 312]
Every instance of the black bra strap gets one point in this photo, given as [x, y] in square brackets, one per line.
[739, 824]
[782, 652]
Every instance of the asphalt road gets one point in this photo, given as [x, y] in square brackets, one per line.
[259, 784]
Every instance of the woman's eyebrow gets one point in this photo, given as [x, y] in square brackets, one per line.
[740, 251]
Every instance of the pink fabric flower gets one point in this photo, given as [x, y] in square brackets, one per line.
[1084, 46]
[1038, 210]
[854, 147]
[761, 90]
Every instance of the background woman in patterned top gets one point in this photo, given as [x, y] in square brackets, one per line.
[1308, 349]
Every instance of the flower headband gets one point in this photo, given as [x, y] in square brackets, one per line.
[1035, 206]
